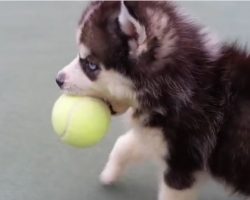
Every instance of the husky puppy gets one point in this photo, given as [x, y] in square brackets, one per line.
[188, 93]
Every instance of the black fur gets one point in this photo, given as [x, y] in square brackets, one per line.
[201, 104]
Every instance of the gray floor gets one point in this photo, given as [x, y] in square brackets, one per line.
[36, 40]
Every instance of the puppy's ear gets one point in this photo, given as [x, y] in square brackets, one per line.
[130, 26]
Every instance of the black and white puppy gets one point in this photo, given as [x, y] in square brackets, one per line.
[188, 94]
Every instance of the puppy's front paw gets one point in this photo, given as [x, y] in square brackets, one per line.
[109, 175]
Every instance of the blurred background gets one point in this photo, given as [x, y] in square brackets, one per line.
[36, 40]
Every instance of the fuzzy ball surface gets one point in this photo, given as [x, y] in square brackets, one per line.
[80, 121]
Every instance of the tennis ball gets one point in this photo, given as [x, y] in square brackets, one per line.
[80, 121]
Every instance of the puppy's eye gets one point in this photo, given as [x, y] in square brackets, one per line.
[88, 65]
[92, 66]
[89, 68]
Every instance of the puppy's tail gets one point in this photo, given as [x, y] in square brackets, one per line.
[235, 63]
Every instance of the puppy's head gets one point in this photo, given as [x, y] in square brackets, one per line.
[115, 42]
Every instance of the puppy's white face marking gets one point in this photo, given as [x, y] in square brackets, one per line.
[109, 84]
[83, 51]
[117, 85]
[75, 80]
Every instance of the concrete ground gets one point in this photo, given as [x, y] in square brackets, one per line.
[37, 39]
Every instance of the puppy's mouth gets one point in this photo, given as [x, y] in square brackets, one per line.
[115, 107]
[112, 111]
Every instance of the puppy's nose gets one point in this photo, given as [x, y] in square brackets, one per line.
[60, 78]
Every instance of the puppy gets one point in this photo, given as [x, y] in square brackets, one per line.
[188, 93]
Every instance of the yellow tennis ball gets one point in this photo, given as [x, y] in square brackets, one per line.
[80, 121]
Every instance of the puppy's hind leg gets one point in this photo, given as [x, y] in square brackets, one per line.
[168, 193]
[126, 150]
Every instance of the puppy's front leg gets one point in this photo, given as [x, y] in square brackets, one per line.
[126, 151]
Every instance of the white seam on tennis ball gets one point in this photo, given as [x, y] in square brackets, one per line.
[70, 116]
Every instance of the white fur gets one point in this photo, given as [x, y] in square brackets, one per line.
[116, 89]
[75, 81]
[84, 51]
[125, 151]
[211, 43]
[126, 21]
[117, 86]
[137, 144]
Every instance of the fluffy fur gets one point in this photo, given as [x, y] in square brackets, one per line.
[188, 94]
